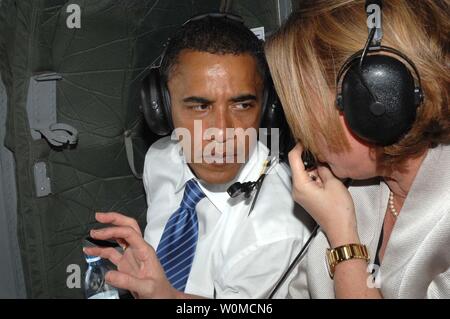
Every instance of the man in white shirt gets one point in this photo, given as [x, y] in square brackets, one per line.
[224, 248]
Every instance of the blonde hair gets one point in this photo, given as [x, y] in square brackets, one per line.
[305, 55]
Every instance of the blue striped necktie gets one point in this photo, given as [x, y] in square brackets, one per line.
[176, 248]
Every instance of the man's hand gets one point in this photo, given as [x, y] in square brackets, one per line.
[138, 268]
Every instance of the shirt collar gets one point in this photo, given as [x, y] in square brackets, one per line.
[186, 173]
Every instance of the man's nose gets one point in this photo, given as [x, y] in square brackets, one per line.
[222, 122]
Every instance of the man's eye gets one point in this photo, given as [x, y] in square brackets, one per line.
[201, 107]
[243, 106]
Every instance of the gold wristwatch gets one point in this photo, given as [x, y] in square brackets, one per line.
[343, 253]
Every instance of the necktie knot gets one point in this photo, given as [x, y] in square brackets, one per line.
[192, 195]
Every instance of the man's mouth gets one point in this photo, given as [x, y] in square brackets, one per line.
[221, 158]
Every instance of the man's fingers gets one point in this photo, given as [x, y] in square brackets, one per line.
[106, 253]
[124, 281]
[122, 243]
[299, 173]
[126, 233]
[117, 219]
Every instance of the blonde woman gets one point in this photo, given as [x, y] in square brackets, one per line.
[388, 234]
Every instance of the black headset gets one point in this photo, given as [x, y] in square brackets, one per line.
[155, 97]
[376, 91]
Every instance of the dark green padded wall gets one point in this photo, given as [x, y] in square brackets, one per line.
[102, 64]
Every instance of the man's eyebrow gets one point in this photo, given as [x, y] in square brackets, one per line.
[235, 99]
[197, 99]
[243, 97]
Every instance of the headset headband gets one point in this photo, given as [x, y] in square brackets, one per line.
[373, 45]
[215, 15]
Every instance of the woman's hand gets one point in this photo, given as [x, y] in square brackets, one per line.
[325, 198]
[138, 268]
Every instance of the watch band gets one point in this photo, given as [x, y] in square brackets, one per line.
[343, 253]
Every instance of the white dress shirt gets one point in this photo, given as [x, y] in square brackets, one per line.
[238, 255]
[416, 263]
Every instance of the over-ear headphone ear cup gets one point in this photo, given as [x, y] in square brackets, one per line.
[153, 107]
[377, 108]
[266, 108]
[166, 105]
[385, 120]
[273, 117]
